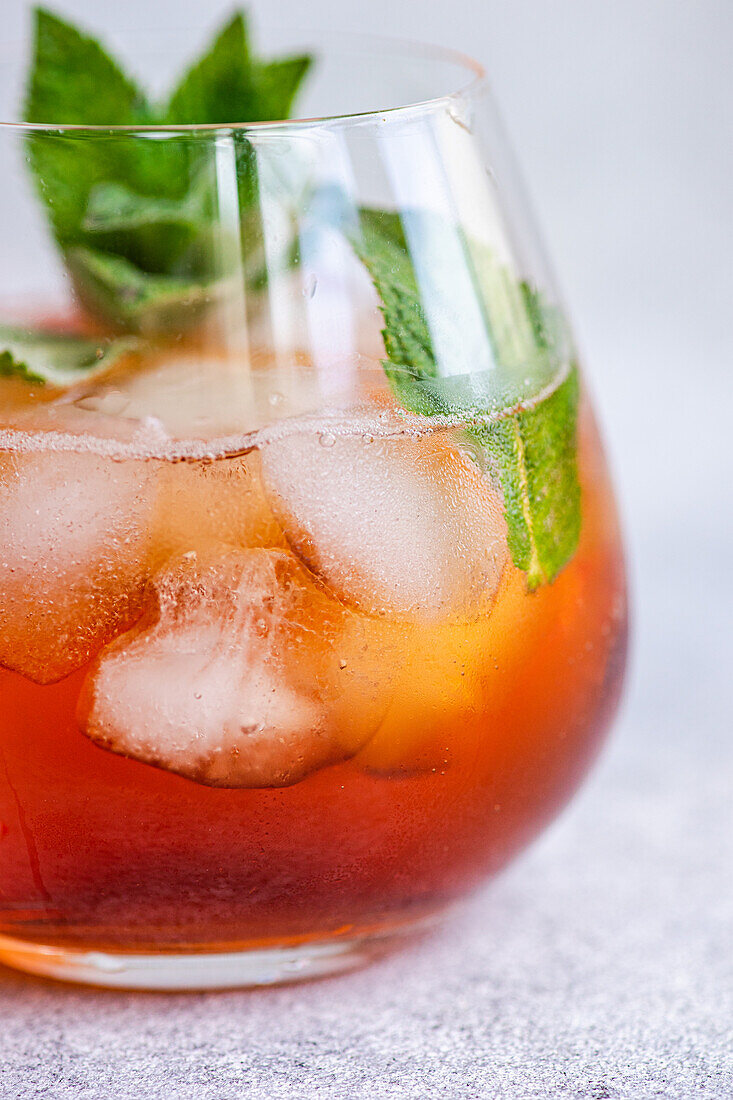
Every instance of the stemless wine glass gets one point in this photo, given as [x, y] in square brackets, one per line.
[312, 602]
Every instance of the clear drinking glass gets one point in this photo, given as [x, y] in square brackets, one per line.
[312, 602]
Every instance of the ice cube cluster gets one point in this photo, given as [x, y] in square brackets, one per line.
[247, 615]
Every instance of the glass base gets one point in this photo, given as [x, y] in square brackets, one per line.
[202, 970]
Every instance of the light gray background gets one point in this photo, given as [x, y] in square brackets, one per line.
[601, 965]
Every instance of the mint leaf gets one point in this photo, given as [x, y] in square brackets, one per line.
[383, 250]
[56, 359]
[277, 84]
[73, 81]
[114, 208]
[533, 456]
[513, 329]
[531, 450]
[151, 204]
[227, 84]
[136, 300]
[143, 228]
[219, 86]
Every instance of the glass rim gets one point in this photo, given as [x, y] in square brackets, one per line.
[475, 73]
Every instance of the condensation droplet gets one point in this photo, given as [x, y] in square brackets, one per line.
[326, 439]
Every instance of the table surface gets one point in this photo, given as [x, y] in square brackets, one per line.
[601, 964]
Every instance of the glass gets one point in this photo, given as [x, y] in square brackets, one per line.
[303, 636]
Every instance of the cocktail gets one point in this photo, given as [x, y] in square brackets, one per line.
[312, 604]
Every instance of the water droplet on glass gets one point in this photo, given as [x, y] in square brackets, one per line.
[326, 439]
[276, 399]
[342, 663]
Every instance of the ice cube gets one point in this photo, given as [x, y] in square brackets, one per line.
[190, 394]
[401, 525]
[242, 673]
[75, 546]
[201, 394]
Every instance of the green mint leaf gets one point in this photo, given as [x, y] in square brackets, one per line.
[114, 208]
[533, 456]
[74, 81]
[228, 86]
[151, 204]
[277, 84]
[10, 367]
[56, 359]
[142, 229]
[530, 450]
[136, 300]
[219, 86]
[382, 248]
[524, 331]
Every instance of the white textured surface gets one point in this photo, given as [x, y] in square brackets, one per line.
[601, 966]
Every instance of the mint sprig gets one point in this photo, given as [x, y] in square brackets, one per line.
[522, 413]
[144, 212]
[45, 358]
